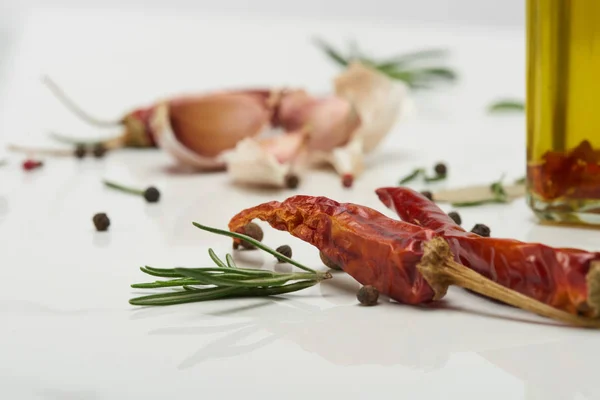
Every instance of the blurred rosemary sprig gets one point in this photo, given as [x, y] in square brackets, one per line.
[225, 279]
[506, 105]
[413, 68]
[499, 195]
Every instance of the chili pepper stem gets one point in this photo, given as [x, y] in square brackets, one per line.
[122, 188]
[74, 108]
[440, 270]
[593, 282]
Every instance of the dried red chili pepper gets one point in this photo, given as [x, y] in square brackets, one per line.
[560, 277]
[346, 234]
[406, 262]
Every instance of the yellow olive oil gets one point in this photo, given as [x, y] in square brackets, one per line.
[563, 109]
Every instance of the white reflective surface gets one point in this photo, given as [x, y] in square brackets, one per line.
[67, 331]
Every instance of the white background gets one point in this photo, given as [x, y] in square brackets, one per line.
[67, 331]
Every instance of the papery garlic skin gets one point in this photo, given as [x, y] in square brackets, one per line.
[378, 100]
[252, 164]
[329, 121]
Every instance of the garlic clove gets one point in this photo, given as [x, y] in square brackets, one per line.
[165, 138]
[284, 147]
[197, 130]
[210, 124]
[378, 100]
[331, 120]
[251, 163]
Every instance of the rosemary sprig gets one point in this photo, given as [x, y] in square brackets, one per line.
[405, 67]
[499, 195]
[226, 279]
[434, 178]
[123, 188]
[417, 172]
[150, 194]
[507, 105]
[412, 176]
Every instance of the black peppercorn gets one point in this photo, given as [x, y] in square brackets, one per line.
[79, 151]
[292, 181]
[99, 150]
[285, 250]
[455, 217]
[101, 222]
[427, 194]
[440, 169]
[481, 230]
[152, 195]
[255, 232]
[368, 295]
[328, 262]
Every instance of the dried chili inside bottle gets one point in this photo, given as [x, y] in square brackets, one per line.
[563, 122]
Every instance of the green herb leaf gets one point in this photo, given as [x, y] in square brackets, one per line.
[185, 296]
[506, 105]
[122, 188]
[412, 176]
[331, 52]
[230, 261]
[404, 67]
[435, 178]
[254, 242]
[412, 57]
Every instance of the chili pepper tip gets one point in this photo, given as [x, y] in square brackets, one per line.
[347, 180]
[29, 165]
